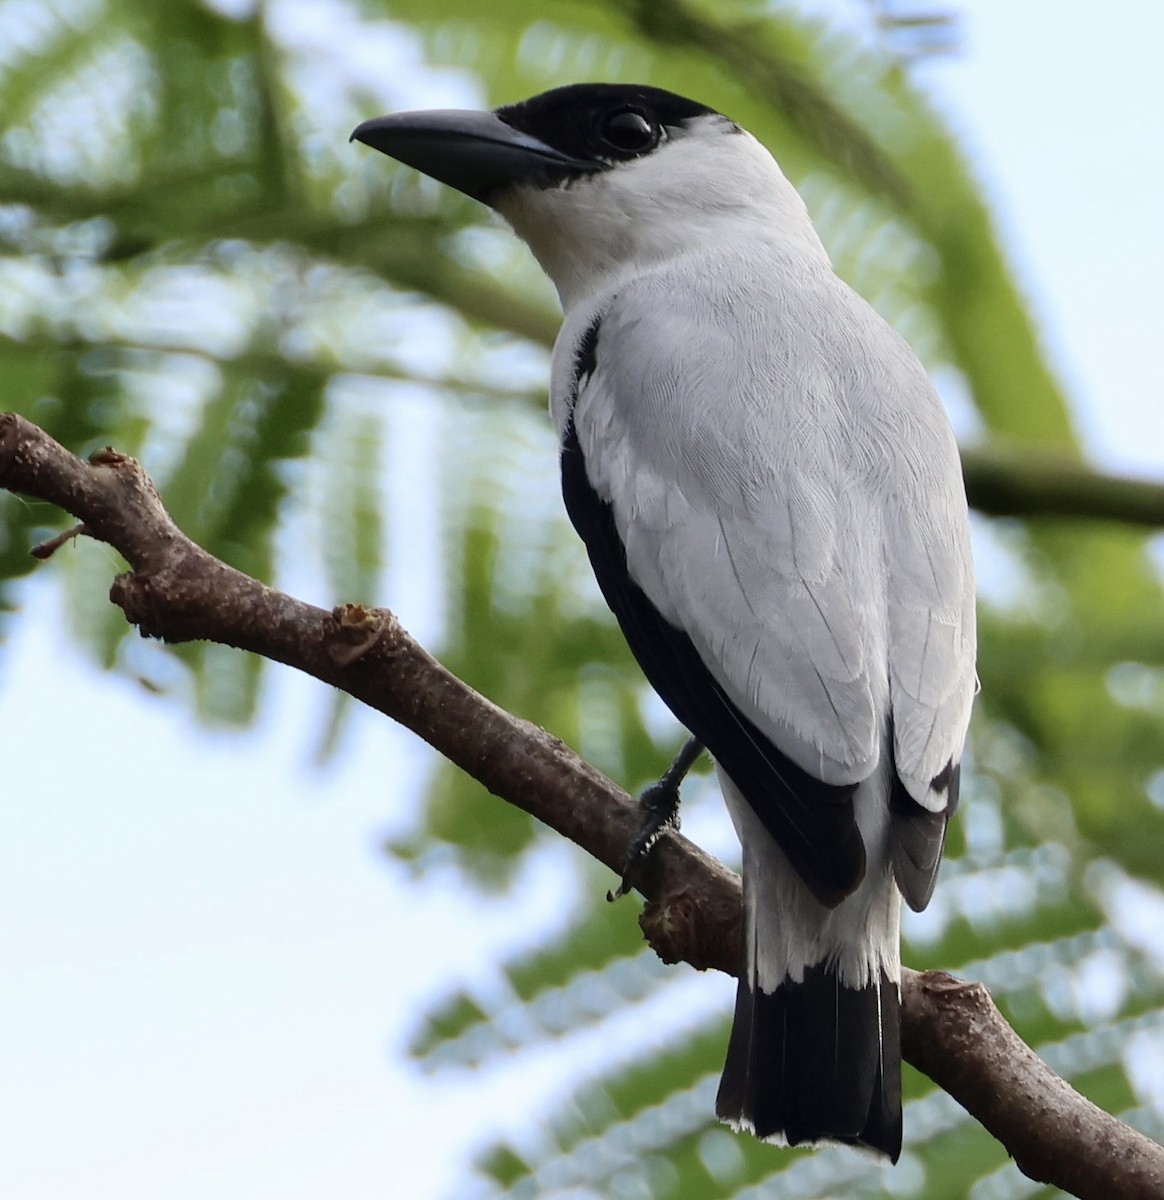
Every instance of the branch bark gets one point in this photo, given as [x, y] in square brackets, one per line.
[177, 591]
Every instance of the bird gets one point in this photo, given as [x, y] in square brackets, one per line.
[770, 495]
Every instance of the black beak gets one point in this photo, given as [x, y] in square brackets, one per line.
[475, 152]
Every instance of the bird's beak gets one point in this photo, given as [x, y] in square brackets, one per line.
[475, 152]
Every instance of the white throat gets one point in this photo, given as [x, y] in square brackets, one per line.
[705, 188]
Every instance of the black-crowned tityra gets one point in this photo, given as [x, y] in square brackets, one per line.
[770, 495]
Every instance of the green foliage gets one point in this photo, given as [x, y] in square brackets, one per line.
[192, 261]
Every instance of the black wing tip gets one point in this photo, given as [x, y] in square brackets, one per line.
[834, 874]
[919, 835]
[918, 844]
[816, 1061]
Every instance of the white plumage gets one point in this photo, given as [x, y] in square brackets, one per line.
[772, 500]
[804, 526]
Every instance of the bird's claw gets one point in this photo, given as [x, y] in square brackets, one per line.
[660, 807]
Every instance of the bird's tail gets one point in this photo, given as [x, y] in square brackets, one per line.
[816, 1061]
[815, 1048]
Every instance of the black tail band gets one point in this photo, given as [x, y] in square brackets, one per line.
[816, 1061]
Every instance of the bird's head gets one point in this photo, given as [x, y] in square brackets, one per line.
[604, 179]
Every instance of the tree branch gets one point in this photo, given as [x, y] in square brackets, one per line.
[175, 590]
[1014, 482]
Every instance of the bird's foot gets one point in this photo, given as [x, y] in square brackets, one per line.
[659, 805]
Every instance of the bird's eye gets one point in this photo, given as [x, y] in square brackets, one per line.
[629, 132]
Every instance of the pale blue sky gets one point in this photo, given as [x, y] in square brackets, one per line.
[209, 967]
